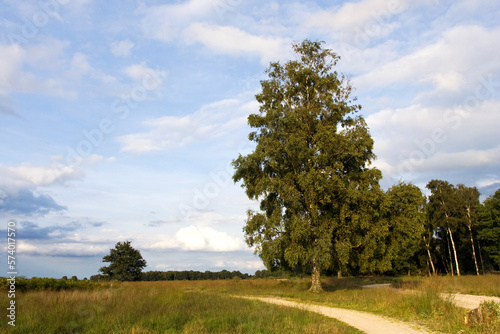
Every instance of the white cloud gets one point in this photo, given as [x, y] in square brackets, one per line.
[189, 22]
[61, 161]
[48, 55]
[234, 41]
[463, 160]
[361, 15]
[462, 53]
[249, 265]
[10, 66]
[451, 81]
[449, 127]
[122, 48]
[66, 249]
[488, 181]
[142, 72]
[200, 238]
[42, 68]
[420, 139]
[28, 176]
[23, 182]
[441, 162]
[166, 21]
[80, 65]
[210, 121]
[207, 238]
[20, 66]
[43, 175]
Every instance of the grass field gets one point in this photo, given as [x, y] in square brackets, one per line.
[209, 306]
[159, 307]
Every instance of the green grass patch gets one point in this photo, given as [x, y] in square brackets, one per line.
[488, 285]
[162, 307]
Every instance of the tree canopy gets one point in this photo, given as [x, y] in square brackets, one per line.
[310, 168]
[406, 220]
[126, 263]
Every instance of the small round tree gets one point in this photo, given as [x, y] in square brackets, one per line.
[126, 263]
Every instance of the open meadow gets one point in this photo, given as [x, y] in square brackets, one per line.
[214, 306]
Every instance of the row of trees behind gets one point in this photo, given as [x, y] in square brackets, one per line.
[465, 233]
[448, 232]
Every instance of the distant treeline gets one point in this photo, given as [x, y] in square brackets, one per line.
[192, 275]
[186, 275]
[23, 284]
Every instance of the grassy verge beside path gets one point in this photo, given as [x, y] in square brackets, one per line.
[488, 285]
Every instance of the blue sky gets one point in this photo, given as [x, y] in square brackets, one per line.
[119, 119]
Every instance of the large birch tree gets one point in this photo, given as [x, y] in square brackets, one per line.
[312, 155]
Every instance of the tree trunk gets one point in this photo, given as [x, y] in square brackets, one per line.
[316, 279]
[480, 255]
[449, 253]
[427, 245]
[339, 274]
[430, 261]
[445, 263]
[454, 252]
[473, 250]
[472, 239]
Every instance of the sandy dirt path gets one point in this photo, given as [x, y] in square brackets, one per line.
[366, 322]
[468, 301]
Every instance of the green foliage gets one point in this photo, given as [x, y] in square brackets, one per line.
[279, 274]
[360, 237]
[469, 203]
[406, 216]
[310, 166]
[126, 263]
[489, 228]
[443, 208]
[53, 284]
[486, 318]
[465, 234]
[444, 211]
[491, 311]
